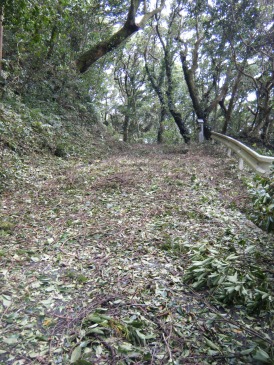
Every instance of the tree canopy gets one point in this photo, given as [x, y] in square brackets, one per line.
[207, 59]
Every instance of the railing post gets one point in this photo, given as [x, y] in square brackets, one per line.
[201, 133]
[241, 164]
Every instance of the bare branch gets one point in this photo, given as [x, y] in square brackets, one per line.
[195, 53]
[150, 14]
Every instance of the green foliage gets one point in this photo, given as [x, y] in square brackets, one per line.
[231, 277]
[262, 191]
[79, 278]
[25, 130]
[61, 150]
[6, 226]
[43, 39]
[131, 330]
[262, 151]
[10, 163]
[41, 42]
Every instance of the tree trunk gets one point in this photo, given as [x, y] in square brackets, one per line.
[99, 50]
[51, 42]
[202, 111]
[157, 86]
[169, 93]
[180, 124]
[262, 117]
[130, 27]
[194, 95]
[161, 125]
[227, 116]
[126, 128]
[193, 92]
[228, 111]
[266, 131]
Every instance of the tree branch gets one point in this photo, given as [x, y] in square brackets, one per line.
[149, 15]
[130, 27]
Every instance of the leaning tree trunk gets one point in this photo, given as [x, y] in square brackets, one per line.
[130, 27]
[193, 91]
[229, 109]
[161, 125]
[180, 124]
[171, 106]
[170, 86]
[157, 86]
[99, 50]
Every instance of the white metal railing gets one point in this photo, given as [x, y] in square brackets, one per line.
[259, 163]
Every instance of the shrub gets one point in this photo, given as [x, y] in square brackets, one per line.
[262, 191]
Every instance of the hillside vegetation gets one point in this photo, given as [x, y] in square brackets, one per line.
[27, 132]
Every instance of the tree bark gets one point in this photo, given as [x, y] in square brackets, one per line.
[202, 111]
[130, 27]
[169, 91]
[125, 128]
[193, 92]
[157, 86]
[161, 125]
[228, 110]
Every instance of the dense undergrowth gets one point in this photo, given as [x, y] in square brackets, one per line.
[262, 190]
[113, 254]
[52, 130]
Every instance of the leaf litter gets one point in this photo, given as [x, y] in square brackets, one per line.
[95, 255]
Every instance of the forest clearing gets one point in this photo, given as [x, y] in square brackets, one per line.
[96, 262]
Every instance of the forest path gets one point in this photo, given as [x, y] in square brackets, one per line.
[94, 256]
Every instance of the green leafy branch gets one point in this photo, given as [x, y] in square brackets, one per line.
[232, 278]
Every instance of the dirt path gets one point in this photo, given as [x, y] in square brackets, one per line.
[94, 255]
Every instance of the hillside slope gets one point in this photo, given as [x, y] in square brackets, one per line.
[27, 132]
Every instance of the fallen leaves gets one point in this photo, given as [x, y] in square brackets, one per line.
[93, 264]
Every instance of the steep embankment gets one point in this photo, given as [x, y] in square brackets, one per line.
[51, 130]
[98, 259]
